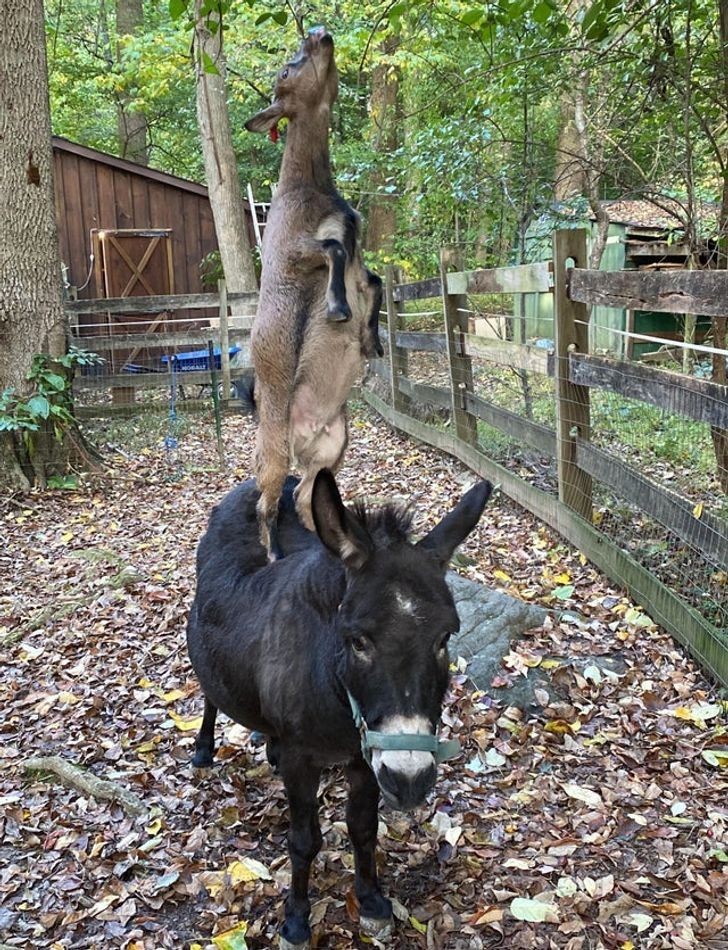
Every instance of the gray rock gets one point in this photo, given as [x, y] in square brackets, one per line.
[489, 623]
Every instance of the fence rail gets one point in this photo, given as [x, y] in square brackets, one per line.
[155, 373]
[581, 465]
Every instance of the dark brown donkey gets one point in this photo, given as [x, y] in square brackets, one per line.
[319, 306]
[337, 653]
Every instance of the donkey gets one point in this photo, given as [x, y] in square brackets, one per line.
[337, 653]
[318, 310]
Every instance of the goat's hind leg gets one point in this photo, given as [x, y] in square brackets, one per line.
[205, 741]
[271, 464]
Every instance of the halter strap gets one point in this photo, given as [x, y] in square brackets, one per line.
[441, 749]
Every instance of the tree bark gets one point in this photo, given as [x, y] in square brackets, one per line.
[31, 306]
[384, 111]
[720, 436]
[132, 128]
[226, 199]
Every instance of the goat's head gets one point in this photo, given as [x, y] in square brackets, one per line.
[306, 83]
[395, 619]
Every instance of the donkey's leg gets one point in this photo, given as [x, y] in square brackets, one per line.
[301, 780]
[205, 741]
[375, 910]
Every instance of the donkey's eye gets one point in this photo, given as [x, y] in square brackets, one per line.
[360, 646]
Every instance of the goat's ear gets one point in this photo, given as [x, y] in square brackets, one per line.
[265, 120]
[456, 526]
[337, 528]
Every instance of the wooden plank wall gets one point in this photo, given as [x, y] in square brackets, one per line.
[90, 193]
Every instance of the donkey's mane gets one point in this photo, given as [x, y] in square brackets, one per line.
[386, 524]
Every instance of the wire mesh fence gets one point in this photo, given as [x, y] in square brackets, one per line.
[635, 445]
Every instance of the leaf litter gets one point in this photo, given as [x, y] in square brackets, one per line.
[595, 818]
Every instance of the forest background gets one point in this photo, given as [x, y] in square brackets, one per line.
[455, 122]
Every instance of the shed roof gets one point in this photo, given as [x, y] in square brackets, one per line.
[132, 168]
[664, 213]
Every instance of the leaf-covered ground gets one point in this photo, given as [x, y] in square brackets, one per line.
[595, 820]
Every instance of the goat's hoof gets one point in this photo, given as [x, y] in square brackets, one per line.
[378, 927]
[338, 314]
[287, 945]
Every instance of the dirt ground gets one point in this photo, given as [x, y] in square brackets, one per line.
[597, 819]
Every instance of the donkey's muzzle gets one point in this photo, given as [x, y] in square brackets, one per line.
[407, 789]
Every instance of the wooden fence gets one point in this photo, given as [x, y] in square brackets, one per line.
[173, 328]
[576, 373]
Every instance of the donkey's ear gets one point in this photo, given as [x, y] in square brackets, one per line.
[265, 120]
[455, 527]
[337, 528]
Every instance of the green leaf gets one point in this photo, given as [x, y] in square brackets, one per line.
[280, 17]
[177, 8]
[542, 12]
[39, 406]
[55, 381]
[471, 17]
[263, 17]
[564, 592]
[208, 65]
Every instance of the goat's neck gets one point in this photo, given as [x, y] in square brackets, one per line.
[306, 157]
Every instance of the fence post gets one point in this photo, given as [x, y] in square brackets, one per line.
[461, 369]
[224, 343]
[397, 355]
[571, 335]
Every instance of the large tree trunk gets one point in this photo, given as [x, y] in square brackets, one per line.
[720, 436]
[384, 108]
[226, 199]
[31, 308]
[132, 128]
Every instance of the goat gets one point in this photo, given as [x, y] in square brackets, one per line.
[345, 634]
[318, 309]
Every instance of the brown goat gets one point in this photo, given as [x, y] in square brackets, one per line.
[319, 306]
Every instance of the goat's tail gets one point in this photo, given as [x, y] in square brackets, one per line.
[245, 389]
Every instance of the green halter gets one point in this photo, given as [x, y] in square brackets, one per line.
[441, 749]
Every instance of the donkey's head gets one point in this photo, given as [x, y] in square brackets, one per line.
[306, 83]
[396, 618]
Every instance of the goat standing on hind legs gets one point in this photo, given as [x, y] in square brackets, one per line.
[318, 311]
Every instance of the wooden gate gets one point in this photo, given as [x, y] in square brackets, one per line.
[132, 263]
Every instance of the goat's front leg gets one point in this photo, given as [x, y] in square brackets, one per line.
[301, 780]
[311, 252]
[373, 345]
[375, 910]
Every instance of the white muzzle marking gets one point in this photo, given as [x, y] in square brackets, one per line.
[403, 762]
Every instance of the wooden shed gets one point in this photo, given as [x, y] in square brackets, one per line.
[641, 236]
[96, 192]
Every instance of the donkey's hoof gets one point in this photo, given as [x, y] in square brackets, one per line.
[287, 945]
[378, 927]
[202, 759]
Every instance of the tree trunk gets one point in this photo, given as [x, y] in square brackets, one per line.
[226, 199]
[132, 128]
[31, 308]
[720, 436]
[384, 109]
